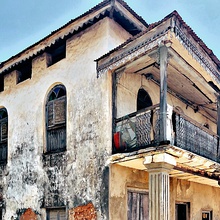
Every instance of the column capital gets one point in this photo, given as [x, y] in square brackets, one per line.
[160, 167]
[159, 162]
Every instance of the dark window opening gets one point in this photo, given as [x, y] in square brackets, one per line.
[3, 135]
[56, 214]
[143, 100]
[1, 83]
[1, 214]
[182, 211]
[56, 120]
[138, 203]
[57, 52]
[24, 71]
[206, 215]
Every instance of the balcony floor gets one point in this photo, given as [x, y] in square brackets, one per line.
[189, 166]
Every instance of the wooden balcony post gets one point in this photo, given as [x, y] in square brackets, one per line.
[218, 115]
[163, 57]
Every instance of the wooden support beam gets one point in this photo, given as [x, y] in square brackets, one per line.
[163, 57]
[218, 115]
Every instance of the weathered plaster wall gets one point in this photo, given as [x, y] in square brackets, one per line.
[127, 90]
[121, 179]
[79, 175]
[201, 197]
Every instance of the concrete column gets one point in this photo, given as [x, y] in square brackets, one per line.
[159, 167]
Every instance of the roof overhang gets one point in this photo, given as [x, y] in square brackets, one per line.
[193, 76]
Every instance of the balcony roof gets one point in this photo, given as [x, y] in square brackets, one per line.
[177, 21]
[193, 69]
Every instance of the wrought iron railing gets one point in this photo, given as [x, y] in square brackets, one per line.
[137, 130]
[195, 137]
[141, 130]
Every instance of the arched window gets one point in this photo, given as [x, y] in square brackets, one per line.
[56, 120]
[3, 135]
[143, 99]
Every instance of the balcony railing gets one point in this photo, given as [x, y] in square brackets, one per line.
[141, 130]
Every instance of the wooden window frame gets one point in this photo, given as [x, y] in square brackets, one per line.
[56, 121]
[207, 212]
[187, 204]
[3, 137]
[49, 210]
[139, 191]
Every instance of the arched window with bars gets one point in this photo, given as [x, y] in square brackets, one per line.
[56, 120]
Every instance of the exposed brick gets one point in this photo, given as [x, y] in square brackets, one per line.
[29, 215]
[85, 212]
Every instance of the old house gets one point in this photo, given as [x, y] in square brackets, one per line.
[111, 118]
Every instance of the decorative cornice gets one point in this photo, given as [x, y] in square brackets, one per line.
[142, 48]
[196, 54]
[132, 53]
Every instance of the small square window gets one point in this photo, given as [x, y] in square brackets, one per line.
[24, 71]
[1, 83]
[182, 211]
[206, 215]
[56, 214]
[56, 52]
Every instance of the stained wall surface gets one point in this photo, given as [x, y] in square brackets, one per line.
[200, 197]
[121, 180]
[79, 175]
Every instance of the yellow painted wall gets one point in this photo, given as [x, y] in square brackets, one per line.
[201, 197]
[122, 179]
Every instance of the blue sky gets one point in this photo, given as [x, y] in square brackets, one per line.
[24, 22]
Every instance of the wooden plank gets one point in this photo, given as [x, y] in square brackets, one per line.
[163, 53]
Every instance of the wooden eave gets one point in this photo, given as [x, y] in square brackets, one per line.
[176, 23]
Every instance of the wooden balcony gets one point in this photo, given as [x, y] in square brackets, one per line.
[141, 130]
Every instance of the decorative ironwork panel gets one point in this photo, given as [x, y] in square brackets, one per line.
[156, 125]
[180, 131]
[143, 129]
[194, 139]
